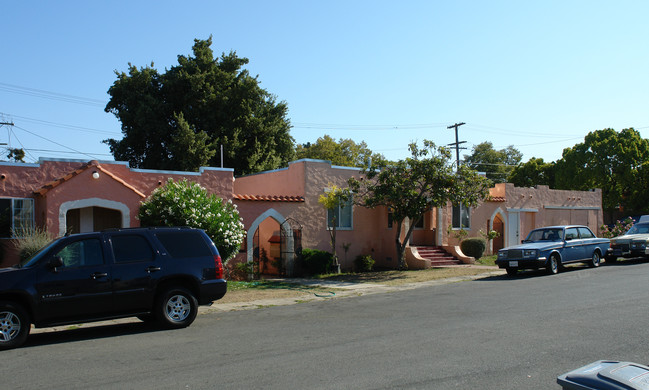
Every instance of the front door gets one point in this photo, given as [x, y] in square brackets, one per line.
[498, 242]
[134, 270]
[513, 229]
[81, 287]
[574, 250]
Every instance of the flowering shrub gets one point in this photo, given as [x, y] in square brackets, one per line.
[185, 203]
[618, 229]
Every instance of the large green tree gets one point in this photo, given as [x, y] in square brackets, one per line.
[533, 172]
[413, 186]
[345, 152]
[614, 161]
[497, 164]
[179, 119]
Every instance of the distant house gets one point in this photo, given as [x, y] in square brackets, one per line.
[280, 210]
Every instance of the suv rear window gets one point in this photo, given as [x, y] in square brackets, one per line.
[184, 244]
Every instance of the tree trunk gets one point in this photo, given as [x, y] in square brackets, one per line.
[335, 263]
[401, 249]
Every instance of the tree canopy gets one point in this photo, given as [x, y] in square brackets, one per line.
[497, 164]
[413, 186]
[616, 162]
[179, 119]
[345, 152]
[534, 172]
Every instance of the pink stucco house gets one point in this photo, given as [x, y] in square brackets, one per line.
[280, 210]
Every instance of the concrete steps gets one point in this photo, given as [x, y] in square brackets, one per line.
[437, 256]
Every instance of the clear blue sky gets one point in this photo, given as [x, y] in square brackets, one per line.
[535, 75]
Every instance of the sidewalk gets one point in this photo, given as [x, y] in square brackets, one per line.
[338, 290]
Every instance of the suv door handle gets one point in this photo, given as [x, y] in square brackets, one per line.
[152, 269]
[98, 275]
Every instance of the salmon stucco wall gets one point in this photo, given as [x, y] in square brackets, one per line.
[523, 209]
[309, 179]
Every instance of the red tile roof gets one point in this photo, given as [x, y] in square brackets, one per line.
[497, 199]
[269, 198]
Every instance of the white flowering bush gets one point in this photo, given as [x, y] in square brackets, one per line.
[186, 203]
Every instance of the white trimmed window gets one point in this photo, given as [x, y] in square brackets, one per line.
[461, 217]
[341, 216]
[16, 215]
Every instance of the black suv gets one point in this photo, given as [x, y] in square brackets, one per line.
[155, 274]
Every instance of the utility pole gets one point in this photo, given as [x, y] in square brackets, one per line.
[457, 143]
[5, 124]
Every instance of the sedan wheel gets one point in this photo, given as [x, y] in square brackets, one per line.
[553, 265]
[14, 325]
[595, 260]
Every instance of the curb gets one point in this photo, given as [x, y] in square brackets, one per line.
[344, 290]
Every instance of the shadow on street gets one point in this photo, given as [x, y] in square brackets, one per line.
[88, 332]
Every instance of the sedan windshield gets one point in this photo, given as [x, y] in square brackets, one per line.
[639, 228]
[545, 235]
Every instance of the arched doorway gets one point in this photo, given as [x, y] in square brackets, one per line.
[273, 235]
[92, 219]
[499, 226]
[93, 214]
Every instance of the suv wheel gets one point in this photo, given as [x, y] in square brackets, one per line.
[176, 308]
[14, 325]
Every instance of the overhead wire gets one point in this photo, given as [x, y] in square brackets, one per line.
[61, 125]
[40, 93]
[54, 142]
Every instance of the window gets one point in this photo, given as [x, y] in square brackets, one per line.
[586, 233]
[461, 217]
[420, 222]
[184, 244]
[82, 253]
[341, 216]
[131, 248]
[571, 234]
[16, 215]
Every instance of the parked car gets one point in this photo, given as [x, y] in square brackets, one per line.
[155, 274]
[633, 243]
[552, 247]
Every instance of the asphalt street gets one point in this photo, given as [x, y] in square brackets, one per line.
[491, 333]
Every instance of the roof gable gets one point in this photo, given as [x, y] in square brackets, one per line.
[90, 165]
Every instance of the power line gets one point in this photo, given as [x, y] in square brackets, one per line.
[62, 125]
[49, 95]
[325, 126]
[54, 142]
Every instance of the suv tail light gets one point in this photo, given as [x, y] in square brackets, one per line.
[219, 266]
